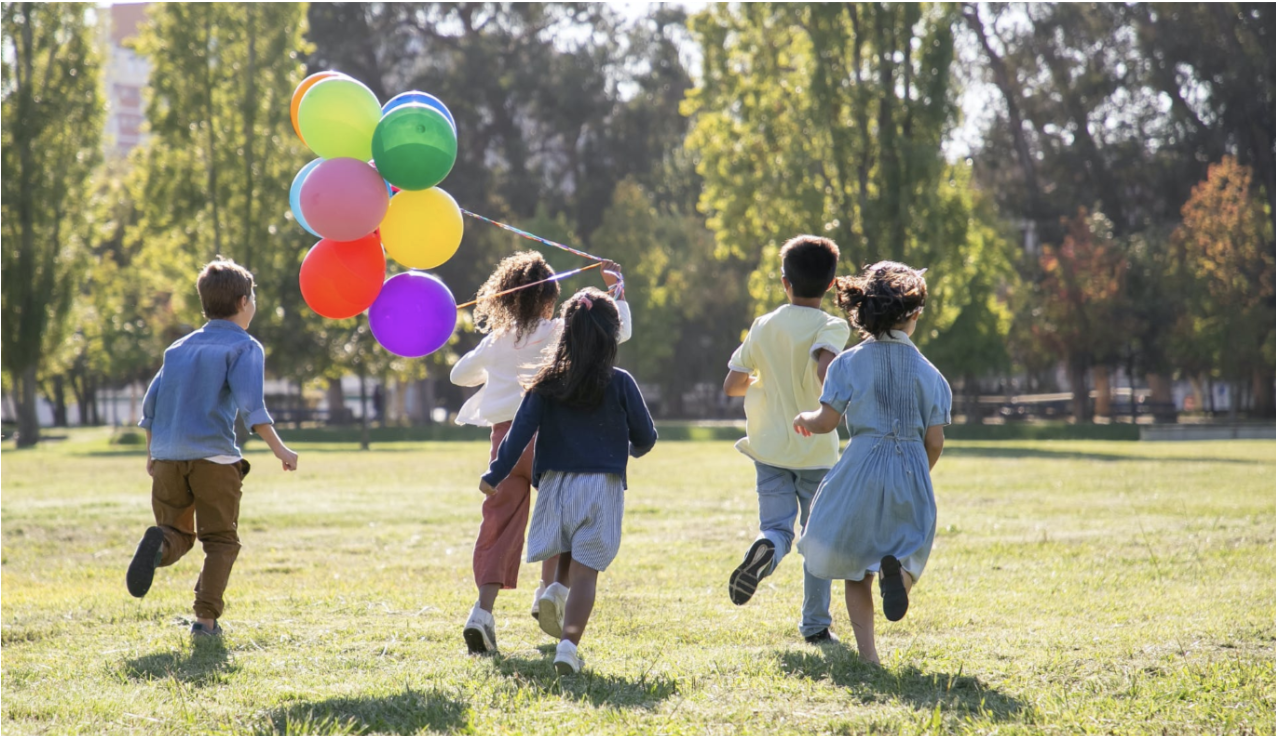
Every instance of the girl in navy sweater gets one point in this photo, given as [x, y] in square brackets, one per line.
[589, 418]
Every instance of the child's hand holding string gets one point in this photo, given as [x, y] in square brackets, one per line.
[486, 488]
[612, 276]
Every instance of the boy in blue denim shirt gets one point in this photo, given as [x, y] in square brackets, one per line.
[196, 468]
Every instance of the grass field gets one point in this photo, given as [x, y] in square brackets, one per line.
[1075, 587]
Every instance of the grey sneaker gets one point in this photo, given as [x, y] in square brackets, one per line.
[141, 571]
[200, 631]
[757, 565]
[567, 659]
[480, 632]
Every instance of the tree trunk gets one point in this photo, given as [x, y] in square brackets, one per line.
[1080, 391]
[28, 418]
[1162, 399]
[59, 401]
[363, 411]
[1103, 391]
[336, 402]
[1233, 400]
[1264, 401]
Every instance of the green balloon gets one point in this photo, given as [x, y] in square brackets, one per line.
[414, 147]
[337, 117]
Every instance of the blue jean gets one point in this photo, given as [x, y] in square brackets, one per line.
[784, 496]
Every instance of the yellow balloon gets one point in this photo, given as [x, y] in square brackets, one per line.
[422, 229]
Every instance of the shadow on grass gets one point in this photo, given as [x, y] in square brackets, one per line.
[595, 688]
[403, 713]
[206, 662]
[1039, 453]
[953, 692]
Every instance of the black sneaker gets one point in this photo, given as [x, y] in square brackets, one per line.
[891, 585]
[823, 636]
[199, 631]
[756, 565]
[141, 571]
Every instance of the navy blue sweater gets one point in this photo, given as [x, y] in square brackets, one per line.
[577, 440]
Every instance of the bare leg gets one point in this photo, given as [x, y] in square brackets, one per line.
[562, 572]
[487, 595]
[580, 603]
[551, 572]
[859, 604]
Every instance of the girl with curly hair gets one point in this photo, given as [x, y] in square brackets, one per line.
[874, 514]
[520, 327]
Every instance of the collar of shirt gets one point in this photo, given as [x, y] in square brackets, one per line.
[892, 336]
[223, 324]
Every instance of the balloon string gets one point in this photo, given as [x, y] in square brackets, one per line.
[529, 236]
[555, 277]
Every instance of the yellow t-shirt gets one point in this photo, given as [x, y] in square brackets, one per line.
[779, 352]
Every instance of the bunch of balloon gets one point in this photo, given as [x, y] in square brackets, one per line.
[374, 191]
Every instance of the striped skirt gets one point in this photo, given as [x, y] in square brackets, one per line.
[577, 513]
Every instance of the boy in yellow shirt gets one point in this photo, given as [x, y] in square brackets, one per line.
[779, 370]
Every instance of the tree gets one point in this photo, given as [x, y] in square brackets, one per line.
[1080, 307]
[1224, 250]
[830, 119]
[214, 175]
[52, 129]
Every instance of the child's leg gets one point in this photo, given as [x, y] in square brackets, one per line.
[499, 547]
[217, 490]
[551, 572]
[174, 508]
[859, 604]
[778, 508]
[580, 603]
[817, 593]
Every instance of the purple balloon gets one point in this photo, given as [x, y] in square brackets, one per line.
[414, 314]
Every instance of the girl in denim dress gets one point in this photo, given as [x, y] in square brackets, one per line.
[874, 514]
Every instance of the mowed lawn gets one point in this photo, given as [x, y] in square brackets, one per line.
[1075, 587]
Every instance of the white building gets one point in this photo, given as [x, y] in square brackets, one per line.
[125, 75]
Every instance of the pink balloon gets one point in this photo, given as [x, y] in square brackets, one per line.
[344, 199]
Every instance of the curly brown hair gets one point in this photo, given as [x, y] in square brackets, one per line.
[884, 295]
[519, 311]
[584, 357]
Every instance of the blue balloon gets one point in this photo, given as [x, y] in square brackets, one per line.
[421, 98]
[294, 194]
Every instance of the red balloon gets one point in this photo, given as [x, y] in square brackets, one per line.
[340, 279]
[344, 199]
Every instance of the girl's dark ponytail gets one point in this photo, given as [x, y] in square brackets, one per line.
[583, 359]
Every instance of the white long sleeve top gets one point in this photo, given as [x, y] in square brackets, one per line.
[500, 365]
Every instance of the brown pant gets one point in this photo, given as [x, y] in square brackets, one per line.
[199, 499]
[499, 548]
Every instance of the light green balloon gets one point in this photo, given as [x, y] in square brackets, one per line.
[338, 117]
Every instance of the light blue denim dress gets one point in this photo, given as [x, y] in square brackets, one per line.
[878, 499]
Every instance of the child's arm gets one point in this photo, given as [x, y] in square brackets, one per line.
[150, 461]
[737, 383]
[526, 421]
[820, 421]
[823, 360]
[934, 442]
[471, 369]
[287, 457]
[148, 417]
[642, 431]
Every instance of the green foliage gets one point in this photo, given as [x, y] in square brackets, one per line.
[52, 109]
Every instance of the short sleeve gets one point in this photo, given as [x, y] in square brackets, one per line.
[837, 385]
[832, 337]
[742, 358]
[941, 406]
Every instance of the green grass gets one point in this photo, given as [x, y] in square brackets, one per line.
[1075, 587]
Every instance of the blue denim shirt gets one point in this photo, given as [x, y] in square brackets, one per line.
[207, 377]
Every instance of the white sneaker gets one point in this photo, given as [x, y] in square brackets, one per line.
[536, 600]
[553, 602]
[480, 632]
[566, 660]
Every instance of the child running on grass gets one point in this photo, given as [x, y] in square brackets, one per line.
[589, 418]
[520, 327]
[779, 370]
[875, 511]
[196, 468]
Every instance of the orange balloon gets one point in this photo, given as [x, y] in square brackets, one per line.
[300, 92]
